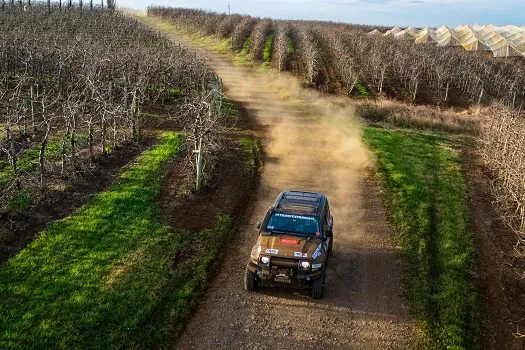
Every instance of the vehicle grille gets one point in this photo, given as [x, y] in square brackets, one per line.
[285, 263]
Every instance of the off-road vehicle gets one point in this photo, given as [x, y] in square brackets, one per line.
[295, 241]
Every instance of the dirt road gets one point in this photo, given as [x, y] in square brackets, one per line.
[313, 143]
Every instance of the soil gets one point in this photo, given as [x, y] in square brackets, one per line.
[228, 192]
[17, 231]
[502, 293]
[311, 142]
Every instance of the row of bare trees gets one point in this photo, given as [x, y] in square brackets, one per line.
[76, 84]
[66, 4]
[397, 68]
[502, 146]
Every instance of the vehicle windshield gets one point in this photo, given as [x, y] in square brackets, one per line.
[291, 223]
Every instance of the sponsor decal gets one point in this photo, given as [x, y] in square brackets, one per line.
[317, 252]
[300, 255]
[316, 266]
[272, 251]
[295, 216]
[289, 241]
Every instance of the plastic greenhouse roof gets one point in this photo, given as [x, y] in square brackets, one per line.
[504, 41]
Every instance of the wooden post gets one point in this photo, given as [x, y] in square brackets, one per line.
[33, 124]
[200, 160]
[480, 96]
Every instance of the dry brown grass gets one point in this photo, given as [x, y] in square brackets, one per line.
[404, 115]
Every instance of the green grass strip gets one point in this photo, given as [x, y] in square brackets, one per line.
[290, 45]
[95, 278]
[268, 48]
[361, 89]
[427, 201]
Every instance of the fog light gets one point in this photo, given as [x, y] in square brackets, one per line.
[265, 260]
[305, 264]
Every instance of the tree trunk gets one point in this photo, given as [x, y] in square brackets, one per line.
[103, 133]
[480, 96]
[41, 154]
[381, 82]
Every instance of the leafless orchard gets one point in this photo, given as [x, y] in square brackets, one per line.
[502, 143]
[397, 68]
[259, 36]
[78, 83]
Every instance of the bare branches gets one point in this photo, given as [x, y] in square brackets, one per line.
[502, 140]
[307, 50]
[259, 34]
[75, 86]
[280, 47]
[398, 68]
[242, 32]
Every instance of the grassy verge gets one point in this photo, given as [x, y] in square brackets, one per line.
[426, 198]
[253, 151]
[268, 48]
[105, 276]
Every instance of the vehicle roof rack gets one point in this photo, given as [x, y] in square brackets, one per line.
[299, 201]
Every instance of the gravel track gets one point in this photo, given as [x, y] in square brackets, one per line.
[311, 142]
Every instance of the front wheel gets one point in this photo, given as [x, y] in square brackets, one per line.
[318, 287]
[250, 280]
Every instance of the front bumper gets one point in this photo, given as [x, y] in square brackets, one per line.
[273, 274]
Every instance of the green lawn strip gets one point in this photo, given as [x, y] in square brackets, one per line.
[426, 198]
[111, 275]
[243, 57]
[92, 279]
[268, 48]
[290, 45]
[196, 254]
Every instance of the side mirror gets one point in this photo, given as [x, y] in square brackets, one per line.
[258, 226]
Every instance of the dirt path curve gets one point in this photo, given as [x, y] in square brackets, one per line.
[312, 143]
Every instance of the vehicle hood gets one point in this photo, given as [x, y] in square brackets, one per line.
[287, 246]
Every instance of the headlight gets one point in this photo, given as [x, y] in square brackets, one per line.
[305, 264]
[265, 260]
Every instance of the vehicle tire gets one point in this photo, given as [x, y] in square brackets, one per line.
[250, 280]
[318, 287]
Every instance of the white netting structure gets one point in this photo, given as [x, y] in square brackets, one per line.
[507, 41]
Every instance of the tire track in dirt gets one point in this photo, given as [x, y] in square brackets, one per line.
[312, 142]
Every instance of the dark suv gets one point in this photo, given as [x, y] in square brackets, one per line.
[295, 241]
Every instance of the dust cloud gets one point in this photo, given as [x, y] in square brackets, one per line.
[313, 141]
